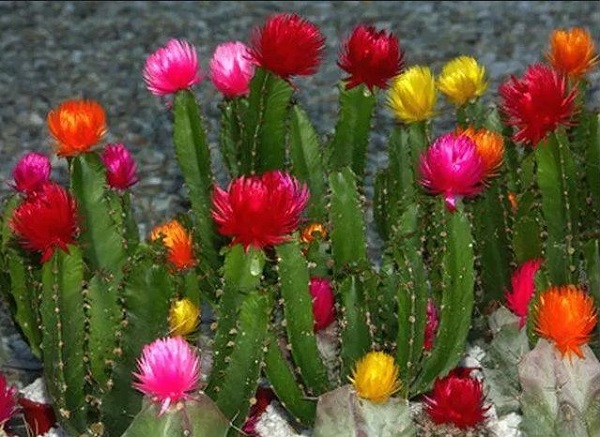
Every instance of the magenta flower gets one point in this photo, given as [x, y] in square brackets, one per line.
[431, 326]
[323, 303]
[232, 68]
[8, 402]
[168, 369]
[523, 288]
[120, 167]
[31, 172]
[453, 168]
[172, 68]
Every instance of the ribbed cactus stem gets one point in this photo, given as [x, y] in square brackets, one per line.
[230, 135]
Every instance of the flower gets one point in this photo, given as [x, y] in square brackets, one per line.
[172, 68]
[167, 370]
[458, 399]
[178, 242]
[572, 52]
[523, 288]
[490, 147]
[46, 220]
[512, 200]
[183, 317]
[312, 232]
[565, 315]
[31, 172]
[323, 302]
[288, 45]
[452, 167]
[431, 326]
[537, 103]
[8, 402]
[77, 125]
[375, 377]
[462, 79]
[371, 57]
[120, 167]
[264, 397]
[413, 95]
[231, 69]
[260, 211]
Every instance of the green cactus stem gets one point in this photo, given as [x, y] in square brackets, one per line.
[265, 122]
[230, 135]
[349, 144]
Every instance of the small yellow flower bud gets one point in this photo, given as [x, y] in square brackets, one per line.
[376, 377]
[183, 317]
[412, 95]
[462, 79]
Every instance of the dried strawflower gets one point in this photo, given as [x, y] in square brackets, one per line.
[462, 80]
[260, 211]
[120, 167]
[77, 126]
[523, 289]
[453, 168]
[572, 52]
[168, 370]
[370, 57]
[375, 377]
[288, 45]
[566, 315]
[232, 68]
[537, 103]
[323, 302]
[413, 95]
[46, 220]
[178, 242]
[31, 172]
[172, 68]
[8, 401]
[490, 147]
[457, 398]
[184, 317]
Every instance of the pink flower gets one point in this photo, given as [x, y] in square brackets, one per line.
[120, 167]
[232, 68]
[168, 369]
[172, 68]
[8, 402]
[323, 303]
[452, 167]
[431, 326]
[523, 288]
[31, 172]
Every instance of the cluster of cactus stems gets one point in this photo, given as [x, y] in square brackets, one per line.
[88, 311]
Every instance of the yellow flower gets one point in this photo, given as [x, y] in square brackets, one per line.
[462, 79]
[312, 232]
[412, 95]
[183, 317]
[376, 377]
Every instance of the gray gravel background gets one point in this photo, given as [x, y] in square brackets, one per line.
[52, 51]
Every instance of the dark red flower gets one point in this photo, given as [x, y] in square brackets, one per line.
[8, 400]
[46, 220]
[288, 45]
[264, 397]
[537, 103]
[371, 57]
[260, 210]
[323, 302]
[458, 399]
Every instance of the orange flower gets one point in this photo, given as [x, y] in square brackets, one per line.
[490, 147]
[179, 242]
[77, 125]
[566, 315]
[312, 232]
[572, 51]
[514, 204]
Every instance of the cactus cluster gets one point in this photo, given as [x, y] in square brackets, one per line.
[455, 214]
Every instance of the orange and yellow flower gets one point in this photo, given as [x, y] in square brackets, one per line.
[572, 51]
[179, 242]
[566, 315]
[312, 232]
[490, 147]
[184, 317]
[375, 377]
[77, 126]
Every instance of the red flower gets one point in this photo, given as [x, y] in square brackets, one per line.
[323, 303]
[538, 103]
[523, 288]
[260, 210]
[46, 220]
[457, 398]
[8, 402]
[264, 397]
[371, 57]
[288, 45]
